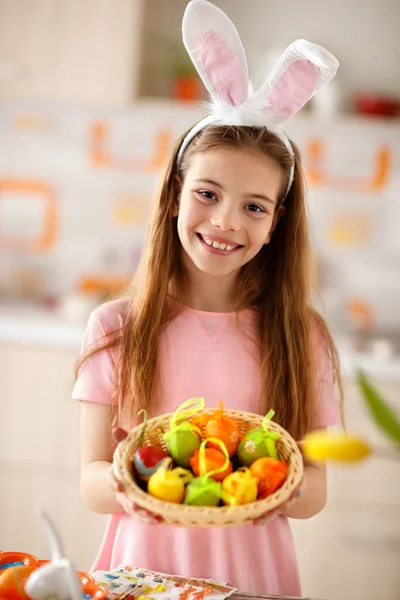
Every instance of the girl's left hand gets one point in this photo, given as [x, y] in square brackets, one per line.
[282, 510]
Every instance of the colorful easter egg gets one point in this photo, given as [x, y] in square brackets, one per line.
[169, 485]
[203, 491]
[271, 474]
[183, 438]
[215, 460]
[258, 442]
[146, 461]
[181, 444]
[223, 428]
[240, 487]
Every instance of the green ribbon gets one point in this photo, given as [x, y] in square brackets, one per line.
[141, 438]
[186, 410]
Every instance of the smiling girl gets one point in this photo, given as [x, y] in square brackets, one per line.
[220, 308]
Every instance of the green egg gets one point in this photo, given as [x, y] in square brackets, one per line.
[181, 444]
[203, 491]
[255, 444]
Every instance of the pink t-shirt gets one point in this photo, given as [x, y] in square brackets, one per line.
[202, 354]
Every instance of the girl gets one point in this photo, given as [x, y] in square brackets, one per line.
[220, 308]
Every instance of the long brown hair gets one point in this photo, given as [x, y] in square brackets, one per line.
[276, 282]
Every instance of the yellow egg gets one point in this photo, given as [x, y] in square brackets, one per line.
[334, 446]
[169, 485]
[240, 487]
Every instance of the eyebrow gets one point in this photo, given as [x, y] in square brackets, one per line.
[250, 195]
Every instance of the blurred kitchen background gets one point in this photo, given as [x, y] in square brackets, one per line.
[93, 94]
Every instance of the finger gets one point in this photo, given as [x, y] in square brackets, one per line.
[115, 483]
[267, 517]
[119, 434]
[124, 501]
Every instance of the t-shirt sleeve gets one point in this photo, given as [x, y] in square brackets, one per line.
[95, 381]
[327, 410]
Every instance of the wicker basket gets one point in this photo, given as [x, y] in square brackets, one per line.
[205, 516]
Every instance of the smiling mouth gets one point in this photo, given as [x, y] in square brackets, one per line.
[222, 246]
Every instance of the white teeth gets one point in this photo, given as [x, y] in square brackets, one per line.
[218, 245]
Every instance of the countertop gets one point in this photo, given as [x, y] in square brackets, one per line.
[32, 325]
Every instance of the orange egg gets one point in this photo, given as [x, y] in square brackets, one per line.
[200, 421]
[271, 474]
[215, 459]
[12, 582]
[224, 429]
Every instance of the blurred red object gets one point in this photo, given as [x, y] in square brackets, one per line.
[377, 105]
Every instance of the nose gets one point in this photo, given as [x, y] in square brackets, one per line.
[225, 217]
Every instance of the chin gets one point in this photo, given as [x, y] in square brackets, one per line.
[216, 270]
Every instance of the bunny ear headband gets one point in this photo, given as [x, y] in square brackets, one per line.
[213, 44]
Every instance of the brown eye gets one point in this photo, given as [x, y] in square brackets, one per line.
[255, 208]
[207, 194]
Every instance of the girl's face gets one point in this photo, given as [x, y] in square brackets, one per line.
[227, 209]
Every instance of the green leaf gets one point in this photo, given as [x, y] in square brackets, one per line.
[381, 412]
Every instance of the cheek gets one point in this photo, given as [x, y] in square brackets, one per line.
[189, 212]
[261, 232]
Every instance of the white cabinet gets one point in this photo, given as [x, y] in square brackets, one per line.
[71, 50]
[39, 454]
[351, 550]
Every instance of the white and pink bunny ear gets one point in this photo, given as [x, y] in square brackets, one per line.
[300, 72]
[214, 46]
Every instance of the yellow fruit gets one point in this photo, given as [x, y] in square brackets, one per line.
[334, 446]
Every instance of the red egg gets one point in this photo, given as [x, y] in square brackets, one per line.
[147, 460]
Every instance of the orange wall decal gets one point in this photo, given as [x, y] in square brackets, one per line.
[38, 190]
[101, 156]
[317, 172]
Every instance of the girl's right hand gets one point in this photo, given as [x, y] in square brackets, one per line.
[115, 480]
